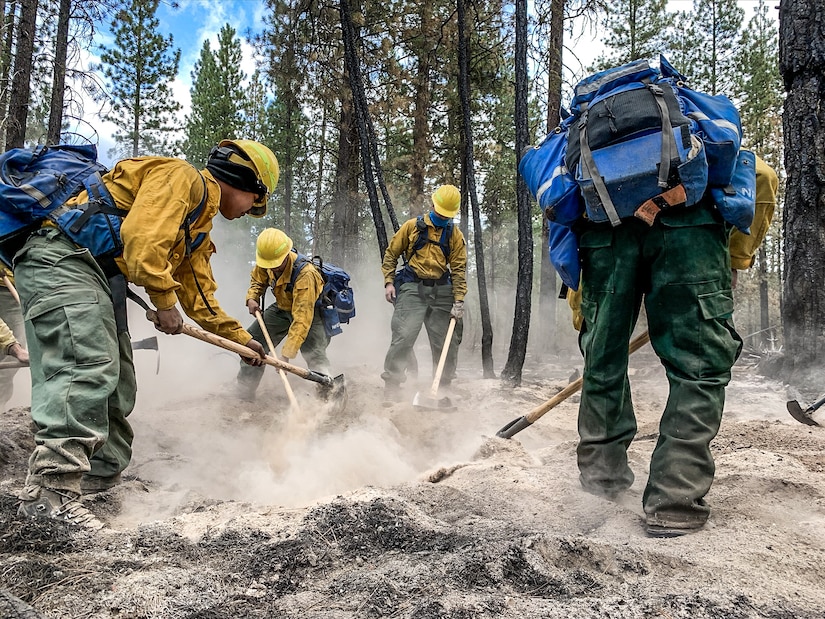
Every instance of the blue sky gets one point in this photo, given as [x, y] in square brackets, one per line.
[190, 25]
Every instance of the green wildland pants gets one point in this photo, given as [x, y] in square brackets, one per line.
[278, 321]
[416, 305]
[680, 267]
[13, 317]
[83, 378]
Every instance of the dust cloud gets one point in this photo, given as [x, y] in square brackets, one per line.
[195, 439]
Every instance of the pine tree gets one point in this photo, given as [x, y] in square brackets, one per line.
[139, 69]
[217, 97]
[635, 29]
[713, 34]
[758, 85]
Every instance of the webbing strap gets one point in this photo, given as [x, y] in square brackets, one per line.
[589, 170]
[187, 241]
[668, 141]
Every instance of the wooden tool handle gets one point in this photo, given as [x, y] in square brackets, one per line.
[11, 288]
[576, 385]
[444, 350]
[289, 393]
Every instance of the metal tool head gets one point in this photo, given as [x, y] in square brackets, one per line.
[802, 416]
[150, 343]
[336, 394]
[428, 402]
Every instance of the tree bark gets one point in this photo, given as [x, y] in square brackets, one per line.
[421, 124]
[802, 65]
[524, 285]
[547, 275]
[469, 172]
[20, 83]
[61, 47]
[7, 15]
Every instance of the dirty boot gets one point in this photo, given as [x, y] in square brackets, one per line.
[62, 505]
[92, 484]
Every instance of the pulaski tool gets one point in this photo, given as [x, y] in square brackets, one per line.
[518, 424]
[338, 391]
[804, 416]
[430, 400]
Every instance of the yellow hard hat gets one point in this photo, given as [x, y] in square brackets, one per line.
[247, 165]
[447, 200]
[272, 248]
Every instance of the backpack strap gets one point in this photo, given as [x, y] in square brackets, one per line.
[423, 238]
[191, 246]
[300, 262]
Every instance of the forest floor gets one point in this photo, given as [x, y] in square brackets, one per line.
[232, 510]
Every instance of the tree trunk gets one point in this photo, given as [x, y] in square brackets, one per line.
[7, 40]
[61, 47]
[20, 83]
[524, 285]
[469, 171]
[802, 65]
[344, 215]
[547, 275]
[764, 308]
[421, 125]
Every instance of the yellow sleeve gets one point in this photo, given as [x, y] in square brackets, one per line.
[399, 243]
[258, 283]
[6, 337]
[192, 303]
[458, 264]
[165, 195]
[743, 247]
[307, 289]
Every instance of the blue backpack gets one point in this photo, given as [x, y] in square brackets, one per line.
[36, 182]
[637, 141]
[336, 302]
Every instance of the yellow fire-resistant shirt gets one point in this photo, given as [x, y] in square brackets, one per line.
[5, 272]
[159, 192]
[7, 339]
[429, 261]
[743, 247]
[300, 302]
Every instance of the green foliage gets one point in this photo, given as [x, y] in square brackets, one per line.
[635, 29]
[758, 86]
[713, 31]
[139, 68]
[217, 97]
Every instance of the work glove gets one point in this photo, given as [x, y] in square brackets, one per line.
[458, 310]
[253, 306]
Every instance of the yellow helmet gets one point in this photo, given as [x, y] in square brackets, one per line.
[272, 248]
[247, 165]
[447, 200]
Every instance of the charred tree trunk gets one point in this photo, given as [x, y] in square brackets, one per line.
[20, 82]
[7, 41]
[547, 275]
[766, 333]
[802, 65]
[524, 286]
[469, 172]
[61, 47]
[344, 215]
[366, 133]
[421, 125]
